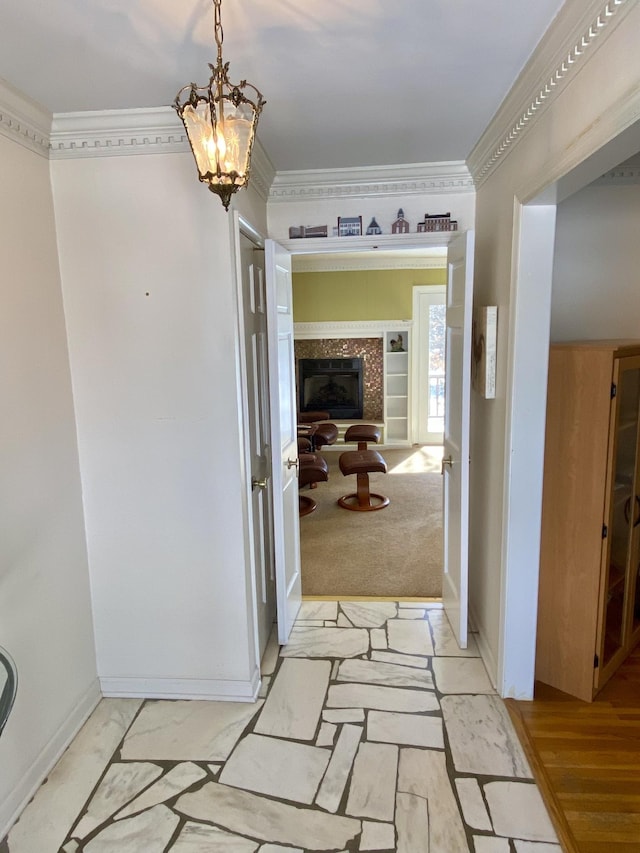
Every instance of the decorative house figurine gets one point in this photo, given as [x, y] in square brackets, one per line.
[297, 232]
[349, 226]
[401, 225]
[374, 228]
[397, 344]
[437, 222]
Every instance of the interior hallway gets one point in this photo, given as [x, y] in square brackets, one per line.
[373, 731]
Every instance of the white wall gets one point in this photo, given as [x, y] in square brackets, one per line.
[45, 611]
[575, 123]
[146, 265]
[596, 274]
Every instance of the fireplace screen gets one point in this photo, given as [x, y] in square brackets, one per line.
[333, 385]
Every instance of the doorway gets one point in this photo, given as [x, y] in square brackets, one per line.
[411, 468]
[534, 239]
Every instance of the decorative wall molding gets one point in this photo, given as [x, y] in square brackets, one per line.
[151, 130]
[348, 329]
[372, 181]
[23, 120]
[576, 31]
[365, 261]
[113, 133]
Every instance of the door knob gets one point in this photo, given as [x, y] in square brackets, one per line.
[446, 461]
[258, 484]
[293, 463]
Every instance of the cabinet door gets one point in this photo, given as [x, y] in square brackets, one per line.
[619, 589]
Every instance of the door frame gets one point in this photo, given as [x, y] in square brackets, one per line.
[533, 244]
[241, 225]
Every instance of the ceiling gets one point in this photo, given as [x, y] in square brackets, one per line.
[348, 82]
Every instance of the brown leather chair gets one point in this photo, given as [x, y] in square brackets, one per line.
[313, 433]
[312, 469]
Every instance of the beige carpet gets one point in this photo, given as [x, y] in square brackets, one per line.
[396, 551]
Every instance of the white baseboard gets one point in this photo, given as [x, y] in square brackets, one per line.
[490, 663]
[26, 787]
[218, 690]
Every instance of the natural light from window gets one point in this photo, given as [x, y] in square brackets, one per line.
[424, 460]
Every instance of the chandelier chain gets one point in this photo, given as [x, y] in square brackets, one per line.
[217, 23]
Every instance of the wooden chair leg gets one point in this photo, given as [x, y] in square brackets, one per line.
[362, 501]
[362, 490]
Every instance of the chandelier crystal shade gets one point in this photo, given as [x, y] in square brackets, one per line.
[220, 120]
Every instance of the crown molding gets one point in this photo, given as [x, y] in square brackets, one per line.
[575, 33]
[149, 130]
[372, 181]
[114, 133]
[23, 120]
[262, 170]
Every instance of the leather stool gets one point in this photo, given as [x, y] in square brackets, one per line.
[362, 463]
[312, 469]
[317, 434]
[312, 417]
[326, 433]
[363, 434]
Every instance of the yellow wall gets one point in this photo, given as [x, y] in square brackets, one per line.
[358, 295]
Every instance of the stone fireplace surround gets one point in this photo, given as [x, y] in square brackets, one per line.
[370, 350]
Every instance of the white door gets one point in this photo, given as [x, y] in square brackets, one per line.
[254, 313]
[455, 463]
[284, 438]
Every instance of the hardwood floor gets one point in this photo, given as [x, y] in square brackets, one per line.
[586, 759]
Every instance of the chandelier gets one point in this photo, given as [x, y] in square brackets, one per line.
[220, 120]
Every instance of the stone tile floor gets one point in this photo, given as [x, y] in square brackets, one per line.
[373, 732]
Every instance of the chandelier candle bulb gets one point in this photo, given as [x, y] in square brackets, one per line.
[220, 120]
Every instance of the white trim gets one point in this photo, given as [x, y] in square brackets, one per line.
[24, 121]
[574, 33]
[365, 261]
[150, 130]
[314, 245]
[526, 392]
[47, 758]
[213, 689]
[113, 133]
[372, 181]
[611, 140]
[348, 329]
[484, 647]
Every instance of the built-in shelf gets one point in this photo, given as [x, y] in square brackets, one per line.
[388, 242]
[396, 385]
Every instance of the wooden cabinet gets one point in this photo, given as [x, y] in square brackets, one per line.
[396, 387]
[589, 595]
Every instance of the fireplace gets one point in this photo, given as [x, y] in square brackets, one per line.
[331, 385]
